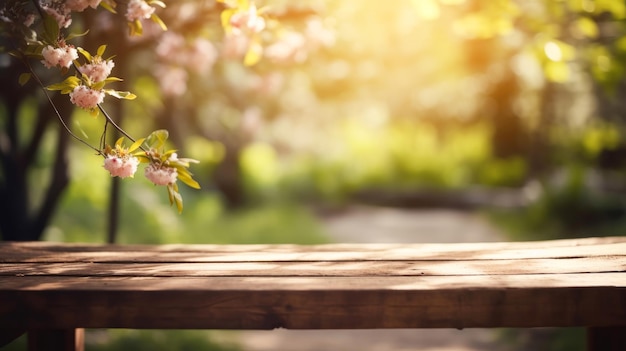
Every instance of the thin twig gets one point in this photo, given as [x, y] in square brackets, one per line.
[56, 111]
[110, 120]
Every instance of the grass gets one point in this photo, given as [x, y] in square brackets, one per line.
[146, 218]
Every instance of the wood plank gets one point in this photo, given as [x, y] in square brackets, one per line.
[324, 268]
[314, 302]
[607, 281]
[339, 301]
[578, 282]
[52, 252]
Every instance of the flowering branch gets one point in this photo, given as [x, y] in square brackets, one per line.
[87, 86]
[56, 111]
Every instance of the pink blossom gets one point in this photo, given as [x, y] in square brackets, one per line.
[202, 56]
[86, 97]
[81, 5]
[235, 46]
[170, 44]
[61, 14]
[199, 55]
[98, 70]
[61, 56]
[172, 80]
[121, 166]
[138, 9]
[267, 84]
[246, 22]
[290, 48]
[161, 175]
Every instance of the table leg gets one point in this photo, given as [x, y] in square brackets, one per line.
[56, 340]
[606, 339]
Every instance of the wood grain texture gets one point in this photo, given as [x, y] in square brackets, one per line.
[578, 282]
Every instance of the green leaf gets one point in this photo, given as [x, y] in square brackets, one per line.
[185, 177]
[156, 19]
[101, 50]
[108, 6]
[113, 79]
[96, 86]
[76, 35]
[32, 50]
[136, 145]
[178, 199]
[168, 153]
[24, 78]
[157, 3]
[253, 55]
[179, 202]
[84, 53]
[51, 29]
[225, 18]
[175, 197]
[120, 94]
[141, 155]
[65, 86]
[170, 194]
[157, 138]
[135, 27]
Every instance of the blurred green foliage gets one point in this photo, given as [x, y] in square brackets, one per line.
[553, 339]
[144, 340]
[147, 219]
[149, 340]
[406, 156]
[568, 209]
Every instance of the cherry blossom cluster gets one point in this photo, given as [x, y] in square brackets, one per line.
[246, 21]
[293, 46]
[243, 22]
[88, 91]
[61, 56]
[164, 166]
[177, 55]
[161, 175]
[86, 97]
[136, 10]
[87, 88]
[119, 161]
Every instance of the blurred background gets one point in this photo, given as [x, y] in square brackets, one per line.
[368, 121]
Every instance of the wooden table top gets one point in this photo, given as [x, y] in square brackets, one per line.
[577, 282]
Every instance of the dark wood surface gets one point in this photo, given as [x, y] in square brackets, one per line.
[579, 282]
